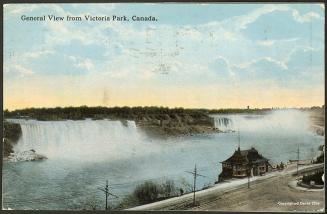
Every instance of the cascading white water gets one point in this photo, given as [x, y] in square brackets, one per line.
[224, 124]
[66, 183]
[90, 139]
[282, 122]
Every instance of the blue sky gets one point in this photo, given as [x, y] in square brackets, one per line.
[195, 55]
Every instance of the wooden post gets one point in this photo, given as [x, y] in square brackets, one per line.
[107, 193]
[194, 173]
[194, 185]
[249, 172]
[107, 190]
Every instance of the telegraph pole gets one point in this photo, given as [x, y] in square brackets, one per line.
[239, 138]
[107, 193]
[298, 159]
[194, 173]
[249, 171]
[194, 184]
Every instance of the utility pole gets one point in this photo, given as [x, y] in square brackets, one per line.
[194, 173]
[249, 174]
[218, 175]
[107, 193]
[298, 159]
[239, 138]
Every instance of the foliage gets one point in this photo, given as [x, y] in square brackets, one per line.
[12, 131]
[147, 192]
[316, 177]
[320, 158]
[168, 189]
[11, 134]
[281, 166]
[238, 110]
[82, 112]
[186, 186]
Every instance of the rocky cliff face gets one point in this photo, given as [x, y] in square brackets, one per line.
[176, 124]
[11, 134]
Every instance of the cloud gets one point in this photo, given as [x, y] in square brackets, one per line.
[221, 67]
[226, 37]
[193, 54]
[308, 17]
[37, 54]
[243, 21]
[263, 60]
[15, 9]
[272, 42]
[17, 70]
[266, 42]
[86, 64]
[82, 63]
[264, 68]
[303, 67]
[22, 70]
[305, 58]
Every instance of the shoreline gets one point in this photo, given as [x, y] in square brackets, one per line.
[203, 196]
[317, 119]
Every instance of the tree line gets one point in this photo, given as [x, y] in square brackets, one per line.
[82, 112]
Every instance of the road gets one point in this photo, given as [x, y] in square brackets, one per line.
[271, 192]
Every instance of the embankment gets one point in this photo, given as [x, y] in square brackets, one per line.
[176, 124]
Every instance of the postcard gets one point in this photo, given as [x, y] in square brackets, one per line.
[164, 106]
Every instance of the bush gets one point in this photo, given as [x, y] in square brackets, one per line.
[321, 158]
[168, 189]
[316, 177]
[147, 192]
[281, 166]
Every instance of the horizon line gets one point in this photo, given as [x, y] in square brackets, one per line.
[169, 107]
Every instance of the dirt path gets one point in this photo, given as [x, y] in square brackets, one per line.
[267, 193]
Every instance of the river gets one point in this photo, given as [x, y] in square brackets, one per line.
[82, 155]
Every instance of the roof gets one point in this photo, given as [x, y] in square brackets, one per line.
[250, 156]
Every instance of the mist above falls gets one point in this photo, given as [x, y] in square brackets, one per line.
[278, 121]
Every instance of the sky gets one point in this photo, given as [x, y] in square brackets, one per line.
[193, 56]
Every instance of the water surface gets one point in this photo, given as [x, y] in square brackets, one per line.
[83, 154]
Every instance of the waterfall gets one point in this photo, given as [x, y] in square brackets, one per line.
[283, 122]
[91, 139]
[224, 124]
